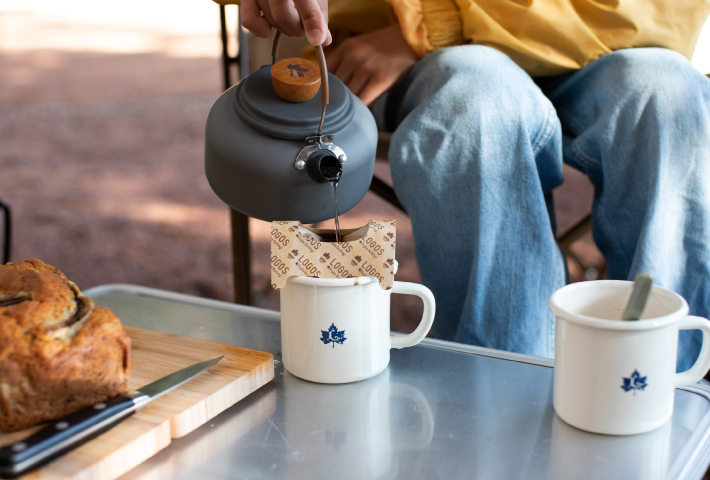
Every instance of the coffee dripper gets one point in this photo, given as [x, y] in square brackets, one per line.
[265, 156]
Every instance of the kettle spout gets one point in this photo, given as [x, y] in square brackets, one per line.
[323, 166]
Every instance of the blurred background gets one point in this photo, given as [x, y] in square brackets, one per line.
[102, 114]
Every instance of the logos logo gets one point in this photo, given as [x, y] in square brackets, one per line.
[356, 260]
[333, 335]
[634, 382]
[297, 70]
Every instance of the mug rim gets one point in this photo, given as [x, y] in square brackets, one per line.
[332, 282]
[605, 324]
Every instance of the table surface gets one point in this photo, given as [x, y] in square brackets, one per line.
[440, 410]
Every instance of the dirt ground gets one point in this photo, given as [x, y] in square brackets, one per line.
[101, 161]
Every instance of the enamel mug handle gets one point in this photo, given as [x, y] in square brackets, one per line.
[402, 341]
[702, 364]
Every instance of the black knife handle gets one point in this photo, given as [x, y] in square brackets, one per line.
[63, 434]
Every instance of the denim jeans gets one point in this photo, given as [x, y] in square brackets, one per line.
[478, 144]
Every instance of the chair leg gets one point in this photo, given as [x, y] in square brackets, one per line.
[7, 233]
[226, 58]
[386, 192]
[241, 247]
[241, 257]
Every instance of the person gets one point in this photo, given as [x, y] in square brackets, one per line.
[487, 99]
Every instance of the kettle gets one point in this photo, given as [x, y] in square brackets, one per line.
[272, 159]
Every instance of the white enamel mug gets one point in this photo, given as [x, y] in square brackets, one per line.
[618, 377]
[337, 330]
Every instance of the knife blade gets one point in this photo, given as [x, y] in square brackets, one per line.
[76, 428]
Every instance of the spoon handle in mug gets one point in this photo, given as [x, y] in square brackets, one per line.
[639, 297]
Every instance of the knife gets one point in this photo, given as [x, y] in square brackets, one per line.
[66, 433]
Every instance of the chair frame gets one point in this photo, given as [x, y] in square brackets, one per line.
[7, 232]
[241, 245]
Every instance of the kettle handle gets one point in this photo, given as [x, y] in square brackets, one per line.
[325, 88]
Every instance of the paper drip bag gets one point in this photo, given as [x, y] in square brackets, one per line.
[364, 252]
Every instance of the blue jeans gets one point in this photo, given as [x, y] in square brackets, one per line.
[477, 146]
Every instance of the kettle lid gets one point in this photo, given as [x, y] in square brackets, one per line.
[258, 105]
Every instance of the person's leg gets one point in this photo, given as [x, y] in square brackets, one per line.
[476, 148]
[637, 122]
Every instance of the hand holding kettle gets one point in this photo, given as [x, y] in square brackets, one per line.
[290, 17]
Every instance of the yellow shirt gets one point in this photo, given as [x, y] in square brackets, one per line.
[544, 37]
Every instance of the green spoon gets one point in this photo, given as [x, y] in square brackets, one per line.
[639, 297]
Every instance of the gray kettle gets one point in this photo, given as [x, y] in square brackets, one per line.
[271, 159]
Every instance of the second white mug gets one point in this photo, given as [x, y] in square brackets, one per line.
[619, 377]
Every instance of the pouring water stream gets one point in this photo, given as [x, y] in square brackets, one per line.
[332, 170]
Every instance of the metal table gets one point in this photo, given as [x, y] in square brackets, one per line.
[440, 410]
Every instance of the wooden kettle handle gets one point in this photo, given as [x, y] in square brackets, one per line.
[325, 89]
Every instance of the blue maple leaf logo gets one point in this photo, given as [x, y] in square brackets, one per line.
[333, 335]
[634, 382]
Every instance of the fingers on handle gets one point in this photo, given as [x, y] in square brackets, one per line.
[252, 19]
[286, 16]
[314, 21]
[702, 364]
[402, 341]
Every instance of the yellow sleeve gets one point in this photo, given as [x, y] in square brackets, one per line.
[428, 25]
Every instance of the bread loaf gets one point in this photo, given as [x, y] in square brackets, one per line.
[58, 352]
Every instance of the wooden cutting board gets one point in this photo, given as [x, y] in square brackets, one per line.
[175, 414]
